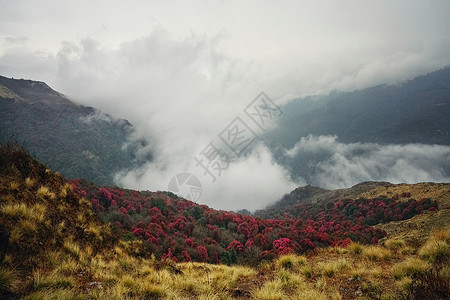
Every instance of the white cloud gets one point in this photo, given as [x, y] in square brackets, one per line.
[251, 182]
[343, 165]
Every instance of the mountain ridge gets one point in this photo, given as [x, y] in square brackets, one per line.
[76, 140]
[383, 114]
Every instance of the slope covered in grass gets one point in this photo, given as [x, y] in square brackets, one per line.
[59, 248]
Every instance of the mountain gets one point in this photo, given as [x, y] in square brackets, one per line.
[343, 138]
[76, 240]
[78, 141]
[415, 111]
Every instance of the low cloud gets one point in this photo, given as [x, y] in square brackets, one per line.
[251, 182]
[339, 165]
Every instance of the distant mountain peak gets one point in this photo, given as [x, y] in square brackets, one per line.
[30, 90]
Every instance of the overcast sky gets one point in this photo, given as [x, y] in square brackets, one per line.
[181, 71]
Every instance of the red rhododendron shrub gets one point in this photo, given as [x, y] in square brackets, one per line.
[186, 256]
[249, 243]
[260, 240]
[189, 242]
[342, 243]
[97, 205]
[169, 255]
[283, 246]
[236, 245]
[202, 253]
[192, 231]
[306, 244]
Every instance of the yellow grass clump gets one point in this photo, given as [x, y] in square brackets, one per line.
[411, 266]
[376, 253]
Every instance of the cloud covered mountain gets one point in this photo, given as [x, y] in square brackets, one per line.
[396, 133]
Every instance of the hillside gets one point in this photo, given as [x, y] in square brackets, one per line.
[351, 131]
[75, 240]
[75, 140]
[415, 111]
[414, 229]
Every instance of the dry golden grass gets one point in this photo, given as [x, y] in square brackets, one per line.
[438, 191]
[118, 275]
[409, 267]
[330, 268]
[29, 182]
[21, 210]
[355, 248]
[376, 253]
[14, 186]
[290, 262]
[66, 190]
[72, 247]
[435, 250]
[44, 193]
[271, 290]
[395, 244]
[8, 280]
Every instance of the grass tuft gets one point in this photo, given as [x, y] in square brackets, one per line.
[395, 244]
[355, 248]
[411, 266]
[44, 193]
[29, 182]
[7, 280]
[73, 248]
[14, 186]
[271, 290]
[376, 253]
[331, 268]
[435, 250]
[290, 262]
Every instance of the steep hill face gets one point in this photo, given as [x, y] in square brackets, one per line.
[75, 140]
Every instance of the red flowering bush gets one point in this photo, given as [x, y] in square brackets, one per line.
[236, 245]
[181, 230]
[283, 246]
[202, 253]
